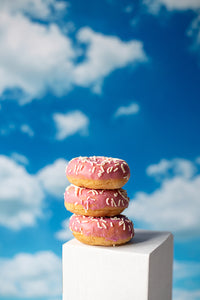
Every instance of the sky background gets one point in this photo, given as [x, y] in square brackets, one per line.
[112, 78]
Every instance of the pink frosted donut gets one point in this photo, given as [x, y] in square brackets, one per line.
[103, 231]
[98, 172]
[97, 203]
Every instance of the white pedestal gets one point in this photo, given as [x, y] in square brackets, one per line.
[139, 270]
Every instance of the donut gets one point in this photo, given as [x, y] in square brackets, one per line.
[103, 231]
[96, 203]
[98, 172]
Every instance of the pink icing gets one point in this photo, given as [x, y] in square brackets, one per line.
[97, 168]
[96, 199]
[110, 228]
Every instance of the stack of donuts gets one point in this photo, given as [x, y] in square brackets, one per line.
[96, 199]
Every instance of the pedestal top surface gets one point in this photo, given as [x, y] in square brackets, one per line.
[144, 242]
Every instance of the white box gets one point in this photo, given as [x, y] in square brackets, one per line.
[139, 270]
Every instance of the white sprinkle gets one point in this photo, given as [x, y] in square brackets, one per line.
[94, 192]
[115, 169]
[85, 221]
[122, 166]
[81, 167]
[92, 199]
[119, 202]
[93, 169]
[91, 191]
[99, 174]
[102, 169]
[113, 202]
[77, 169]
[124, 226]
[102, 220]
[123, 194]
[121, 222]
[115, 194]
[76, 191]
[76, 203]
[104, 225]
[98, 225]
[107, 201]
[129, 227]
[111, 224]
[109, 170]
[115, 218]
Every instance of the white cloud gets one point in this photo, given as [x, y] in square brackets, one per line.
[159, 169]
[40, 9]
[10, 128]
[70, 123]
[175, 167]
[131, 109]
[33, 57]
[174, 206]
[53, 179]
[31, 275]
[155, 5]
[65, 233]
[186, 270]
[182, 294]
[36, 58]
[21, 196]
[19, 158]
[104, 55]
[25, 128]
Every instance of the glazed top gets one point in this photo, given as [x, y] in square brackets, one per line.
[112, 228]
[98, 167]
[96, 199]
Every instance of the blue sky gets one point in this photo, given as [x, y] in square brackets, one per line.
[110, 78]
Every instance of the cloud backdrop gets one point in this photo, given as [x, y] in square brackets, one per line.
[104, 78]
